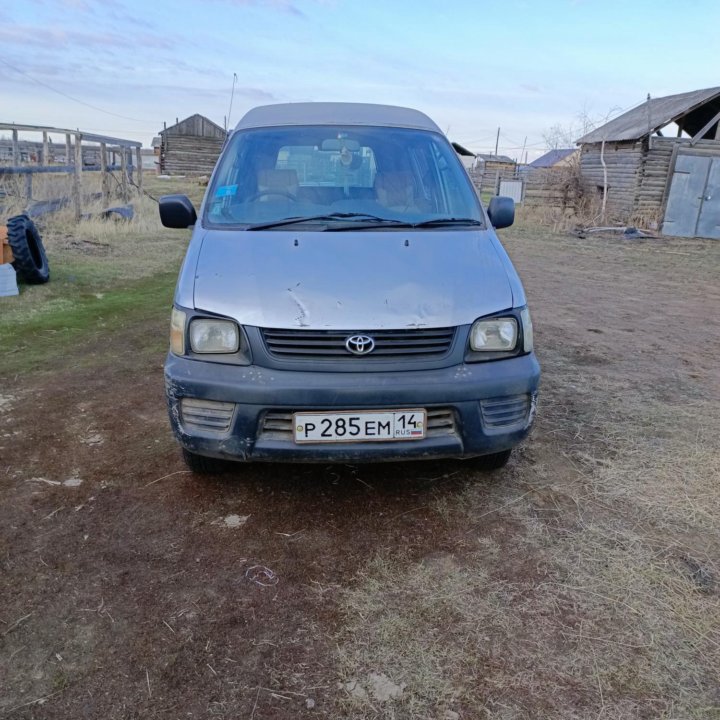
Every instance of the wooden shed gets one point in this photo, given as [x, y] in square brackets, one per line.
[191, 146]
[489, 171]
[650, 176]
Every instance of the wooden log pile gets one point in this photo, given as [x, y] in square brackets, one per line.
[653, 177]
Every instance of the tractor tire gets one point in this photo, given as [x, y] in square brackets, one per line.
[30, 261]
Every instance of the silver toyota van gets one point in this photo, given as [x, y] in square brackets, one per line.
[345, 298]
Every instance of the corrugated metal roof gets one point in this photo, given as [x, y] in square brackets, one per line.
[699, 106]
[552, 157]
[330, 113]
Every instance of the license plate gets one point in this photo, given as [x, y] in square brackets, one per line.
[359, 426]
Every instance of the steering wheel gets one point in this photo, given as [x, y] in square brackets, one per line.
[265, 193]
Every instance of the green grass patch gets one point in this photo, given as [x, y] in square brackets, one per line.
[64, 326]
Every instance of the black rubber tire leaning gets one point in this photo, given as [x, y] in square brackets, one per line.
[30, 261]
[492, 462]
[203, 465]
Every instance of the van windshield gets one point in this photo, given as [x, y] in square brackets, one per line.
[338, 176]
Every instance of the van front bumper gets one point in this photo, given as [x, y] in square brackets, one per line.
[477, 409]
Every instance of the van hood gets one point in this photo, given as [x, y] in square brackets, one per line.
[367, 280]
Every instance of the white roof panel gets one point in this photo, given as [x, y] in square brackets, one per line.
[332, 113]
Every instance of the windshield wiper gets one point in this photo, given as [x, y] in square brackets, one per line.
[349, 216]
[440, 222]
[355, 219]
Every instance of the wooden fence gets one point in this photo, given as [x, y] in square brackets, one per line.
[83, 152]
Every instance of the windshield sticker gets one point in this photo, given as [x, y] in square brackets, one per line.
[225, 190]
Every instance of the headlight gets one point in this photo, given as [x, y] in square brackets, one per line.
[214, 336]
[527, 330]
[494, 335]
[177, 332]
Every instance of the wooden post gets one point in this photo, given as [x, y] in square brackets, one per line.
[124, 171]
[605, 183]
[163, 151]
[77, 179]
[6, 253]
[68, 148]
[138, 155]
[15, 148]
[28, 186]
[46, 154]
[105, 175]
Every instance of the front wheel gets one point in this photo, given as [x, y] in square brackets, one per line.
[201, 464]
[492, 462]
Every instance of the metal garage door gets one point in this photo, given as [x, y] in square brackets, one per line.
[693, 207]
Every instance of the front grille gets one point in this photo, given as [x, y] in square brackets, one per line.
[206, 415]
[279, 425]
[330, 344]
[504, 411]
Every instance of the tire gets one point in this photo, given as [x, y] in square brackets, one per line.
[202, 465]
[30, 260]
[492, 462]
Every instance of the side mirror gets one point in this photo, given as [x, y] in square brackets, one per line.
[176, 211]
[501, 211]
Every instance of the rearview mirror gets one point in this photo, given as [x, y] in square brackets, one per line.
[176, 211]
[335, 145]
[501, 211]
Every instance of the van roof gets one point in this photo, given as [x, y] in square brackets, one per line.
[335, 113]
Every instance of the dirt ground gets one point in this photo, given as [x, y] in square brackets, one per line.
[579, 582]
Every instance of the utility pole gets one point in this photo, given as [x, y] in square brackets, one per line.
[497, 141]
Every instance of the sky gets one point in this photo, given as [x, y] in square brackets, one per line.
[124, 67]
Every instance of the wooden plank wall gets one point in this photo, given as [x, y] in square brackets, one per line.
[557, 187]
[189, 155]
[624, 161]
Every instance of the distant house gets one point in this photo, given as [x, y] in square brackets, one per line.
[191, 146]
[560, 157]
[496, 160]
[649, 175]
[149, 159]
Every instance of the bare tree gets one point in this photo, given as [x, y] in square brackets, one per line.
[559, 136]
[564, 136]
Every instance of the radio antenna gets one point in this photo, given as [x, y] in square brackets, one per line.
[232, 94]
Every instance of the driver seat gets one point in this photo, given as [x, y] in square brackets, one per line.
[276, 182]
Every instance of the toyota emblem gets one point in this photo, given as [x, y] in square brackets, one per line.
[359, 344]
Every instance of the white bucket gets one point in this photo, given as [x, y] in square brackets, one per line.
[8, 280]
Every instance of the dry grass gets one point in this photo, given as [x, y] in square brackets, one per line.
[96, 255]
[584, 581]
